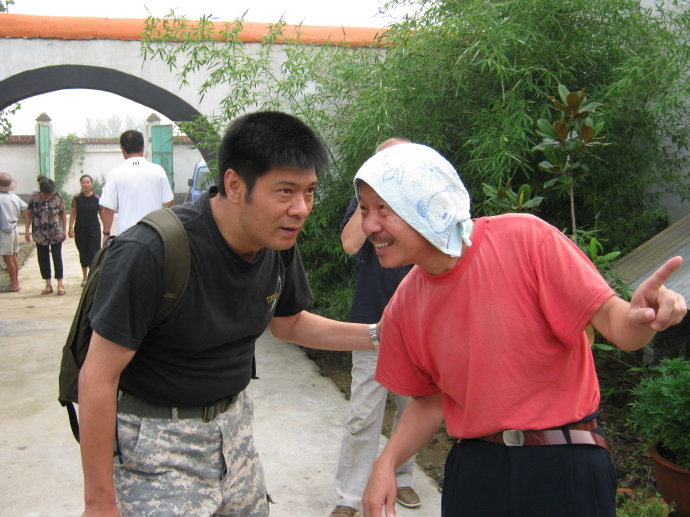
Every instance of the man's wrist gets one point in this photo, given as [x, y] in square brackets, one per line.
[374, 335]
[106, 233]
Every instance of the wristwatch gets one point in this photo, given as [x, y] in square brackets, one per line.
[374, 336]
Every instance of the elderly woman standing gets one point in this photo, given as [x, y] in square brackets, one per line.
[83, 224]
[48, 220]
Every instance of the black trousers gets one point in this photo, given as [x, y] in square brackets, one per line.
[485, 479]
[43, 253]
[88, 243]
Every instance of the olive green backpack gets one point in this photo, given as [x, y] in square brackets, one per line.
[175, 279]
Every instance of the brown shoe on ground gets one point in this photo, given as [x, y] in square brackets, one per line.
[344, 511]
[408, 498]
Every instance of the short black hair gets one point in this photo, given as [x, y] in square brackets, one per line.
[46, 185]
[254, 143]
[132, 141]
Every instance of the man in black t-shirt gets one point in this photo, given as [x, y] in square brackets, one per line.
[175, 393]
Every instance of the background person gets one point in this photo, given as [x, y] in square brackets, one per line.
[373, 288]
[84, 226]
[47, 220]
[176, 393]
[11, 207]
[134, 188]
[488, 334]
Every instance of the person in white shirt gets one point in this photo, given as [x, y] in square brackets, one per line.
[134, 188]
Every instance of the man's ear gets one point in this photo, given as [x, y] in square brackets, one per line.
[235, 186]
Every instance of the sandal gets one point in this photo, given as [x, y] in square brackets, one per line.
[61, 291]
[47, 290]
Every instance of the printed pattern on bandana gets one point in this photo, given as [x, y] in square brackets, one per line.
[190, 467]
[423, 188]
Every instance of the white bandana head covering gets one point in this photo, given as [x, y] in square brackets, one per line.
[423, 188]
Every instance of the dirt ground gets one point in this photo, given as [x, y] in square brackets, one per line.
[633, 467]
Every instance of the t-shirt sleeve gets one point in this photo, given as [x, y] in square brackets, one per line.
[295, 295]
[108, 197]
[128, 292]
[166, 192]
[571, 289]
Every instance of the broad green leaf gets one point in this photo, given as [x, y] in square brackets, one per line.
[563, 93]
[590, 106]
[545, 127]
[525, 190]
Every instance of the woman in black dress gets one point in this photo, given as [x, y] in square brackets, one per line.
[84, 226]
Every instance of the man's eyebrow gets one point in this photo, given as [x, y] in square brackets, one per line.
[290, 183]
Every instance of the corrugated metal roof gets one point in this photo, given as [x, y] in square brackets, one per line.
[637, 265]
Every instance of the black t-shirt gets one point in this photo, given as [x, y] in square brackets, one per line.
[203, 351]
[87, 213]
[375, 284]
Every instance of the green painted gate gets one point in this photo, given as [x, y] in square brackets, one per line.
[162, 149]
[44, 151]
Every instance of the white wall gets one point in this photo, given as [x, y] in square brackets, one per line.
[21, 161]
[100, 159]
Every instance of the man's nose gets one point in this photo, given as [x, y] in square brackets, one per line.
[371, 224]
[301, 207]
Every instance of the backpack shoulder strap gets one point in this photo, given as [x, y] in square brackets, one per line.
[177, 258]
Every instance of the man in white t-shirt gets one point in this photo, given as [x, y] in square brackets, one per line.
[134, 188]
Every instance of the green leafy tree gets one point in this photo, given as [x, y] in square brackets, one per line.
[5, 124]
[469, 78]
[566, 142]
[68, 152]
[5, 5]
[504, 199]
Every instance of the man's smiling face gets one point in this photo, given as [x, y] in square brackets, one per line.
[396, 242]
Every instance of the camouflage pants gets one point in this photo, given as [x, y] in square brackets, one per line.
[190, 467]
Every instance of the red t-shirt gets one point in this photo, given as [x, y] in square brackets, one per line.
[501, 335]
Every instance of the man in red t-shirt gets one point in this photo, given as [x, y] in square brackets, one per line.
[488, 333]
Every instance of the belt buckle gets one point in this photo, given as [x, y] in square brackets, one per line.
[513, 438]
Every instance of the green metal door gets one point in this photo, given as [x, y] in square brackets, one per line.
[162, 149]
[44, 151]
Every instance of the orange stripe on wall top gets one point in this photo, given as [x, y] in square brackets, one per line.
[86, 28]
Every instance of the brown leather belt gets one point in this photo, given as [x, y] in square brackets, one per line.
[581, 433]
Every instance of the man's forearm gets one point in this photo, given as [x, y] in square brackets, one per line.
[419, 422]
[314, 331]
[107, 216]
[97, 420]
[352, 237]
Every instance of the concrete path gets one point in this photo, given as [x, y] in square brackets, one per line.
[299, 414]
